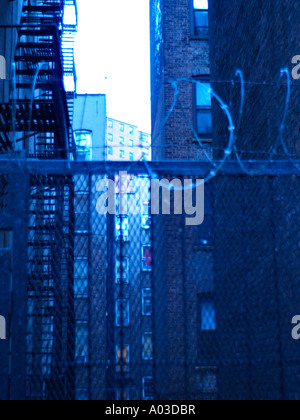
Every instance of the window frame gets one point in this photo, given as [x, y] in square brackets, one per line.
[126, 320]
[207, 298]
[81, 279]
[143, 343]
[147, 378]
[119, 281]
[119, 236]
[205, 137]
[126, 391]
[144, 290]
[147, 270]
[194, 34]
[83, 360]
[120, 362]
[87, 153]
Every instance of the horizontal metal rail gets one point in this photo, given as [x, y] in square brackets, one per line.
[61, 167]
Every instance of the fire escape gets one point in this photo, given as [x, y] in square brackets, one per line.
[39, 116]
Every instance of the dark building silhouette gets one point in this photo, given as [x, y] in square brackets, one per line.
[257, 271]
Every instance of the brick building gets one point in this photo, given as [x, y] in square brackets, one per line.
[183, 260]
[179, 50]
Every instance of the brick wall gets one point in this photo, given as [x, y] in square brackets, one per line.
[175, 54]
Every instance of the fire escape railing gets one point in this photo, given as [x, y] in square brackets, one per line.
[40, 112]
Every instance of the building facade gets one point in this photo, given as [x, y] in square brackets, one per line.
[185, 311]
[126, 143]
[181, 114]
[112, 271]
[89, 126]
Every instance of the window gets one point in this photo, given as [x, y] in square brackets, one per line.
[200, 18]
[122, 141]
[82, 213]
[110, 151]
[207, 380]
[145, 151]
[203, 109]
[122, 271]
[122, 358]
[131, 143]
[146, 218]
[148, 346]
[110, 124]
[122, 313]
[131, 157]
[148, 388]
[147, 308]
[131, 130]
[122, 228]
[146, 258]
[208, 317]
[123, 394]
[81, 277]
[122, 154]
[83, 139]
[82, 342]
[146, 221]
[122, 128]
[110, 137]
[145, 138]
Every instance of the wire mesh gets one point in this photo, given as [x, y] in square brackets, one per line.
[141, 306]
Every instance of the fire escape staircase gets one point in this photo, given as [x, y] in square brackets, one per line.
[43, 110]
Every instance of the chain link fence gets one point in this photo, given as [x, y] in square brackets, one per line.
[141, 306]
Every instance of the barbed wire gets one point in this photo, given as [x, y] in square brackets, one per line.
[207, 149]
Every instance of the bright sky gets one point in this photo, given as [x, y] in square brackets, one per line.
[113, 57]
